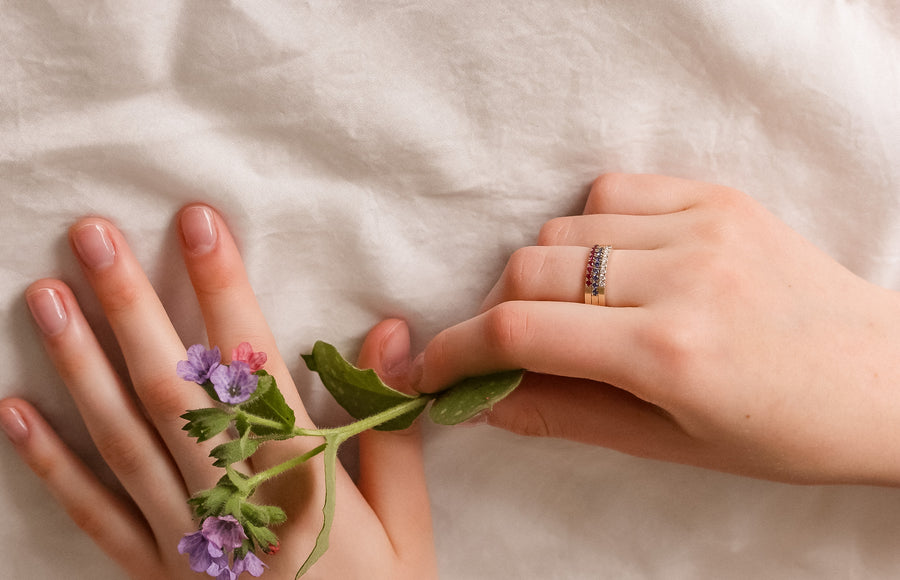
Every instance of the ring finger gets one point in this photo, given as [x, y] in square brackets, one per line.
[557, 274]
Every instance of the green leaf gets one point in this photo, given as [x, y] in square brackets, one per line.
[360, 392]
[261, 536]
[471, 396]
[332, 442]
[211, 502]
[206, 423]
[234, 451]
[235, 478]
[268, 402]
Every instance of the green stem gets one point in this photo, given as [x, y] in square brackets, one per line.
[347, 431]
[332, 441]
[262, 476]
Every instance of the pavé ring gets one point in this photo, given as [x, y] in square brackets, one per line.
[595, 275]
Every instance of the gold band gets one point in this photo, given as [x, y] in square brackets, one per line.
[595, 275]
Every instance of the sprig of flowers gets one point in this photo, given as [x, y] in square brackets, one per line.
[232, 527]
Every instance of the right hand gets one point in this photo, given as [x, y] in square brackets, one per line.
[728, 341]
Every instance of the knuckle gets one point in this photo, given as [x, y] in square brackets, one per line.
[720, 276]
[215, 281]
[89, 519]
[161, 395]
[602, 189]
[123, 455]
[523, 266]
[507, 328]
[118, 296]
[727, 198]
[43, 464]
[555, 232]
[673, 344]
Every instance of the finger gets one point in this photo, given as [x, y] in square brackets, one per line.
[557, 273]
[556, 338]
[617, 193]
[227, 301]
[112, 524]
[627, 232]
[590, 412]
[145, 335]
[130, 446]
[392, 473]
[232, 314]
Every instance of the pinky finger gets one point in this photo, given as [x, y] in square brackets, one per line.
[110, 522]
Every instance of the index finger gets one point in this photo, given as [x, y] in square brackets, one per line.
[555, 338]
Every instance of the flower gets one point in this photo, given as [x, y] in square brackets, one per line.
[208, 549]
[200, 364]
[234, 383]
[225, 573]
[244, 353]
[205, 556]
[249, 563]
[224, 531]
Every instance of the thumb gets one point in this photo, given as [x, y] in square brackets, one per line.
[391, 465]
[386, 351]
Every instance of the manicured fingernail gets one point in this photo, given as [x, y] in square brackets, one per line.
[48, 310]
[94, 246]
[395, 350]
[198, 225]
[13, 425]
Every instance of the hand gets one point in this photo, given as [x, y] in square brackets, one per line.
[728, 341]
[382, 526]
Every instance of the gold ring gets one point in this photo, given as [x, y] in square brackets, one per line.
[595, 275]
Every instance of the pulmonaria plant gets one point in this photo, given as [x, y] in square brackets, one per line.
[233, 529]
[208, 549]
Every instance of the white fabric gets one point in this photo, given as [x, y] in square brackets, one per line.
[384, 158]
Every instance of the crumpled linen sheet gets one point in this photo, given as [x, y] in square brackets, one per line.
[384, 159]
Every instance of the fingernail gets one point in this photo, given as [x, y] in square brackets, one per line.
[198, 226]
[48, 310]
[395, 350]
[94, 246]
[479, 419]
[13, 425]
[416, 371]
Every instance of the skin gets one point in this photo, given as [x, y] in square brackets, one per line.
[382, 525]
[728, 341]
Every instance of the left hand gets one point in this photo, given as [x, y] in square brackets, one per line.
[382, 526]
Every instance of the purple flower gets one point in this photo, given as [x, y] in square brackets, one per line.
[249, 563]
[234, 383]
[204, 555]
[222, 573]
[200, 364]
[224, 531]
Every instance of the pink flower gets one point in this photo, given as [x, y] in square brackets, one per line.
[244, 352]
